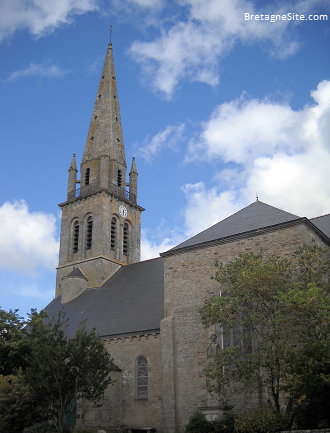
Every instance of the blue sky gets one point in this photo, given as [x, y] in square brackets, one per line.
[214, 107]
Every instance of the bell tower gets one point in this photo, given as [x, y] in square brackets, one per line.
[101, 220]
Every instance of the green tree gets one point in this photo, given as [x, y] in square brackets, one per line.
[307, 372]
[14, 346]
[18, 406]
[61, 370]
[269, 300]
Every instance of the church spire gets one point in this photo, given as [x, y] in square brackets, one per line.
[105, 135]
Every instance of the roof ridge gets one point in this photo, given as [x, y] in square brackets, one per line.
[320, 216]
[142, 261]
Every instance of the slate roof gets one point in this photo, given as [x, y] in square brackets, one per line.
[322, 223]
[132, 300]
[256, 216]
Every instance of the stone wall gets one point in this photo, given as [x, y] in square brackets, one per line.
[187, 285]
[122, 406]
[101, 206]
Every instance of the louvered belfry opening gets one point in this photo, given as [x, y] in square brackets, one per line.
[89, 233]
[87, 174]
[119, 178]
[125, 240]
[113, 233]
[75, 236]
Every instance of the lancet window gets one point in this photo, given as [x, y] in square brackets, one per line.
[142, 377]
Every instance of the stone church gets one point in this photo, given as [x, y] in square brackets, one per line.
[147, 312]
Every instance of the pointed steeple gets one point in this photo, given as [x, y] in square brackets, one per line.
[72, 178]
[133, 174]
[133, 167]
[73, 165]
[105, 135]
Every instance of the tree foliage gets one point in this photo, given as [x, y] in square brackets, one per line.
[281, 307]
[14, 345]
[44, 372]
[18, 405]
[61, 370]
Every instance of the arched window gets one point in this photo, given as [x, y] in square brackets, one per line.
[142, 377]
[75, 236]
[113, 233]
[119, 178]
[125, 240]
[89, 233]
[87, 173]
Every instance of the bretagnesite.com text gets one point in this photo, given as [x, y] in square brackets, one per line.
[285, 17]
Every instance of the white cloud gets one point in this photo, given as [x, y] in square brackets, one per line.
[42, 70]
[33, 291]
[27, 240]
[192, 48]
[161, 239]
[150, 249]
[168, 138]
[266, 148]
[242, 130]
[152, 4]
[239, 130]
[206, 207]
[277, 152]
[40, 16]
[95, 67]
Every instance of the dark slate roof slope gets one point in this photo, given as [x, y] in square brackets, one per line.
[322, 223]
[256, 216]
[132, 300]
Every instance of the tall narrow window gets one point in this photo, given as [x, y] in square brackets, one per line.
[89, 233]
[87, 173]
[119, 179]
[142, 377]
[113, 233]
[75, 236]
[125, 240]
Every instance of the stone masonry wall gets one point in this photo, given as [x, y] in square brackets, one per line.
[187, 285]
[122, 405]
[102, 207]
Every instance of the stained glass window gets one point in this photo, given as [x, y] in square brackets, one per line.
[142, 377]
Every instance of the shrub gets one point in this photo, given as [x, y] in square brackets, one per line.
[198, 424]
[226, 424]
[261, 420]
[45, 427]
[41, 427]
[82, 429]
[18, 406]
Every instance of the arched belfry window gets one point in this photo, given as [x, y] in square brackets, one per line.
[75, 236]
[87, 173]
[113, 233]
[125, 240]
[119, 178]
[142, 377]
[89, 233]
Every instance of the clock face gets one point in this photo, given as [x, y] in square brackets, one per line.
[122, 211]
